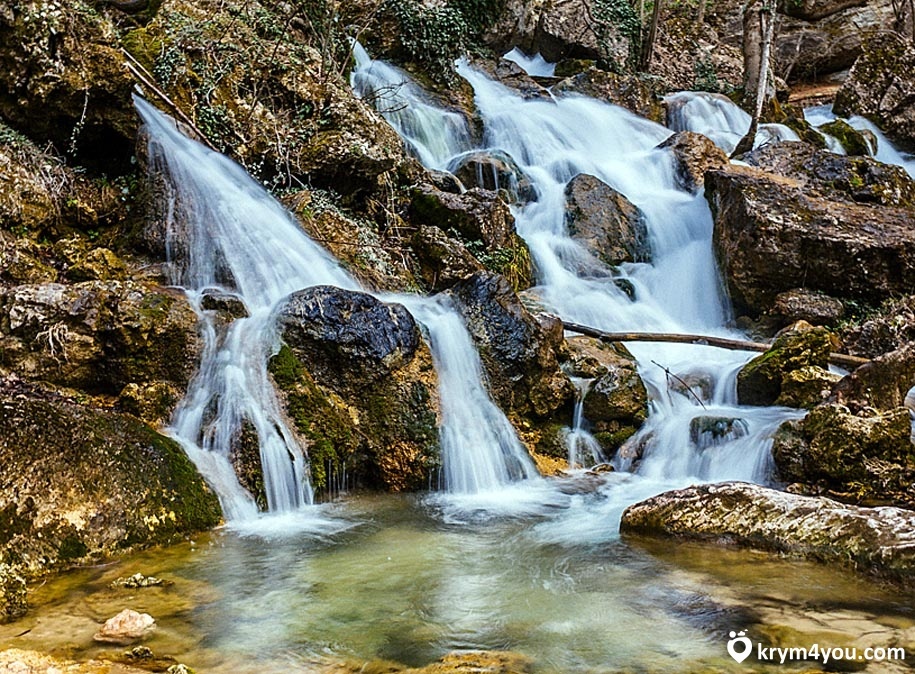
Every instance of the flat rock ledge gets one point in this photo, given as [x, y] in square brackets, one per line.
[879, 541]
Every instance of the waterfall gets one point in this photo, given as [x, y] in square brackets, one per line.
[225, 232]
[584, 449]
[552, 141]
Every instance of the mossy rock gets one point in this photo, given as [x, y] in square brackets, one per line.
[761, 380]
[851, 139]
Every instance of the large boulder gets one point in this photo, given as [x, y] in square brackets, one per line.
[881, 384]
[605, 222]
[881, 86]
[795, 357]
[882, 331]
[518, 352]
[78, 483]
[493, 170]
[359, 385]
[800, 304]
[476, 215]
[99, 336]
[853, 239]
[861, 458]
[880, 541]
[443, 260]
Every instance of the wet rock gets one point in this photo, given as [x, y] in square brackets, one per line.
[476, 215]
[443, 260]
[81, 483]
[880, 86]
[512, 76]
[360, 387]
[800, 304]
[871, 540]
[627, 91]
[227, 305]
[881, 384]
[137, 580]
[13, 594]
[605, 222]
[493, 170]
[882, 331]
[99, 336]
[852, 140]
[615, 401]
[517, 351]
[709, 431]
[858, 458]
[774, 234]
[126, 627]
[152, 402]
[781, 374]
[350, 334]
[18, 661]
[807, 386]
[694, 154]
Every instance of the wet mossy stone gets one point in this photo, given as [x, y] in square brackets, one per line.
[81, 483]
[851, 139]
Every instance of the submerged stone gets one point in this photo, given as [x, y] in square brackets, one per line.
[126, 627]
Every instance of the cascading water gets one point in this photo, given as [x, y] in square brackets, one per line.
[584, 449]
[680, 291]
[226, 232]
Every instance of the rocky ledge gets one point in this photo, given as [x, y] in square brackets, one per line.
[875, 540]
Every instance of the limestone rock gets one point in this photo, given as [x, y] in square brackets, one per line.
[694, 154]
[476, 215]
[881, 86]
[888, 329]
[493, 170]
[80, 483]
[518, 352]
[605, 222]
[443, 260]
[774, 234]
[860, 458]
[800, 304]
[778, 375]
[627, 91]
[360, 387]
[872, 540]
[18, 661]
[881, 384]
[125, 628]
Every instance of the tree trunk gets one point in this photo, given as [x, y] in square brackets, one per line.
[700, 14]
[652, 36]
[760, 24]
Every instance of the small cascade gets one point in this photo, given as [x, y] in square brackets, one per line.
[719, 118]
[535, 66]
[480, 450]
[433, 134]
[225, 231]
[552, 141]
[584, 449]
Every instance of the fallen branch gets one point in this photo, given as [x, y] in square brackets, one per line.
[841, 359]
[688, 387]
[141, 74]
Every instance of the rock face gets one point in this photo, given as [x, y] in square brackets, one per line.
[627, 91]
[99, 336]
[443, 260]
[775, 233]
[78, 483]
[359, 385]
[694, 154]
[874, 540]
[605, 222]
[799, 304]
[867, 459]
[125, 628]
[881, 384]
[881, 86]
[888, 329]
[792, 372]
[558, 29]
[518, 353]
[13, 593]
[494, 170]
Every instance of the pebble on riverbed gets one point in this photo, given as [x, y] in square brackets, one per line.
[126, 627]
[138, 580]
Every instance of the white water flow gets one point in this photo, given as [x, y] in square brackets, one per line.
[679, 292]
[226, 232]
[584, 449]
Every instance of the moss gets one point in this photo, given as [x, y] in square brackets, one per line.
[806, 132]
[851, 139]
[513, 262]
[72, 548]
[144, 47]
